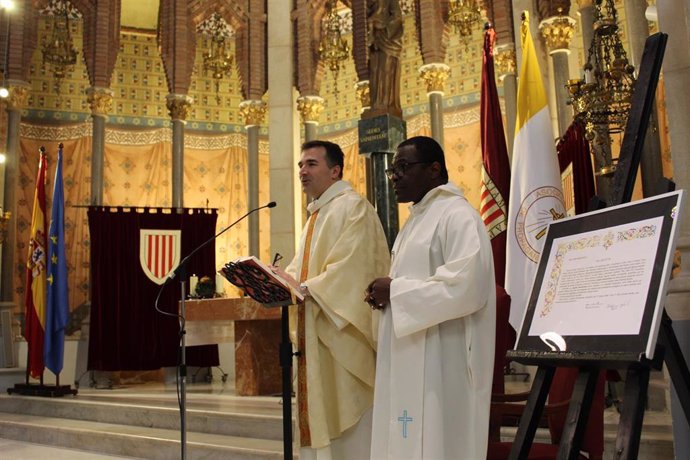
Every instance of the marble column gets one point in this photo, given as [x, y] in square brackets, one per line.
[310, 108]
[676, 67]
[379, 137]
[505, 63]
[284, 134]
[557, 32]
[638, 30]
[586, 10]
[254, 112]
[100, 101]
[178, 106]
[435, 76]
[16, 102]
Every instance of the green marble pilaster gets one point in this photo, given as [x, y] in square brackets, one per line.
[378, 140]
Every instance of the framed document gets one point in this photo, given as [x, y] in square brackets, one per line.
[601, 282]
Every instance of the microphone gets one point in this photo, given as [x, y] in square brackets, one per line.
[181, 265]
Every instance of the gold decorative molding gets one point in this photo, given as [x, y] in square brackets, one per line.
[310, 108]
[362, 89]
[435, 76]
[505, 60]
[100, 100]
[558, 31]
[178, 106]
[253, 111]
[19, 95]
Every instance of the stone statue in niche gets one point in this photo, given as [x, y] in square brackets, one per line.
[384, 37]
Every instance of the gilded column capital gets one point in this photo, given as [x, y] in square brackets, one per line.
[18, 98]
[585, 3]
[178, 106]
[253, 111]
[435, 76]
[100, 100]
[558, 31]
[310, 108]
[505, 60]
[362, 89]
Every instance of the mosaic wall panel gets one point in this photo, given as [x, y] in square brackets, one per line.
[140, 88]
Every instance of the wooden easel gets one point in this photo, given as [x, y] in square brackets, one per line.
[638, 368]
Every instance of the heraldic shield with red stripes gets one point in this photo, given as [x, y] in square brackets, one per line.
[159, 252]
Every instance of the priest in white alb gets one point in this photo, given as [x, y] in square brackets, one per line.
[341, 249]
[436, 337]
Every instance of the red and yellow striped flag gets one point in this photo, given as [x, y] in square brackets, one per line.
[35, 298]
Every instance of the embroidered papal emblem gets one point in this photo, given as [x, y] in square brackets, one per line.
[541, 207]
[159, 252]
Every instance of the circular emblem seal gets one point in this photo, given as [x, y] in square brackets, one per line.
[542, 206]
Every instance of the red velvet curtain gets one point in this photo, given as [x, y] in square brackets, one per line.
[126, 332]
[574, 148]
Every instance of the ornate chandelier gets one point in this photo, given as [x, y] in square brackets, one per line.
[463, 15]
[602, 100]
[333, 49]
[57, 48]
[218, 60]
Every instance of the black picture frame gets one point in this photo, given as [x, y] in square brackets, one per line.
[614, 349]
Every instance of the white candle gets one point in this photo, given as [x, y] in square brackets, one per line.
[220, 289]
[193, 280]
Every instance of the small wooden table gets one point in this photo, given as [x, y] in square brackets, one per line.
[257, 339]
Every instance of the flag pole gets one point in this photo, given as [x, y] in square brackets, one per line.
[46, 297]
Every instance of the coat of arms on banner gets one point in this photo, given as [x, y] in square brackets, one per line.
[159, 252]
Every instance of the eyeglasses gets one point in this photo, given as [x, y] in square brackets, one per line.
[400, 168]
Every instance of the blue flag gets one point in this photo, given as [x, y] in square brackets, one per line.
[57, 301]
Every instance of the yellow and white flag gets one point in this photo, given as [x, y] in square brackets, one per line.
[536, 196]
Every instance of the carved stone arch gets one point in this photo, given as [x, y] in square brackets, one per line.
[309, 69]
[549, 8]
[101, 38]
[177, 43]
[431, 23]
[500, 13]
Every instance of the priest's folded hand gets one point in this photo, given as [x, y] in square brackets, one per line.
[377, 294]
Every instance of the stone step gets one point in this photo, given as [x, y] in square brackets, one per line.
[133, 441]
[656, 441]
[150, 412]
[655, 423]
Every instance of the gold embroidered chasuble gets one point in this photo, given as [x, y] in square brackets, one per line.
[347, 251]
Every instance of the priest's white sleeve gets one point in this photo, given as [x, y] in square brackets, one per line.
[459, 284]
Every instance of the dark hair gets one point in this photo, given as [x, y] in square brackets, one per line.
[334, 154]
[429, 150]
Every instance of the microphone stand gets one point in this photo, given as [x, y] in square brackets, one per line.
[183, 361]
[286, 355]
[181, 271]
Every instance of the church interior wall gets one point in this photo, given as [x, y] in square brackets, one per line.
[138, 136]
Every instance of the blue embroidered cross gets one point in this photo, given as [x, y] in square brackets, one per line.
[404, 419]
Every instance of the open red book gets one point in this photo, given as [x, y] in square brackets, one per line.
[259, 282]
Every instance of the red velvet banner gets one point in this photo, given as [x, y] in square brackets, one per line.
[126, 332]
